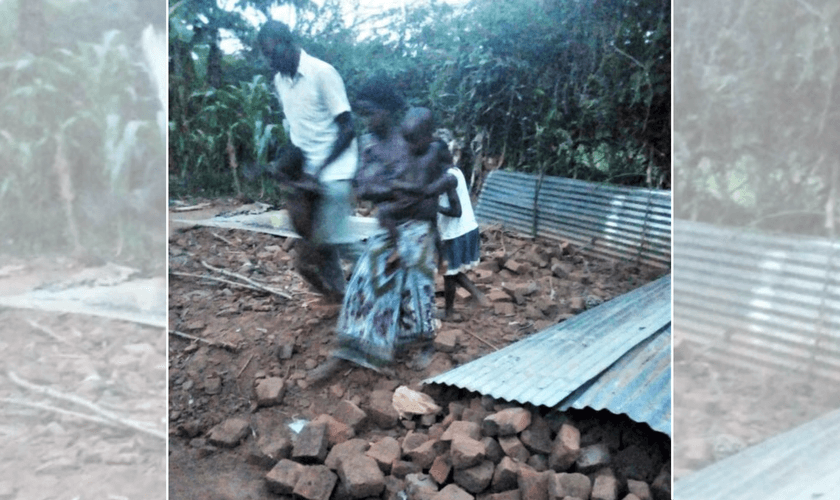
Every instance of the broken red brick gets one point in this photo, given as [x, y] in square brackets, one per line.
[566, 448]
[462, 428]
[361, 476]
[506, 422]
[466, 452]
[282, 478]
[385, 452]
[315, 482]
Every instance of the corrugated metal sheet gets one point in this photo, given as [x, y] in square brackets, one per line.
[548, 366]
[637, 385]
[277, 223]
[615, 222]
[138, 301]
[802, 464]
[759, 300]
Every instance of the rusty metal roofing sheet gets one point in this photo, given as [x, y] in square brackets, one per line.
[548, 366]
[801, 464]
[759, 300]
[637, 385]
[616, 222]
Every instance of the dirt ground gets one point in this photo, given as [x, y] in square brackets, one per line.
[719, 409]
[255, 334]
[51, 362]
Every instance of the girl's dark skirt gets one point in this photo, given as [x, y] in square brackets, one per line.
[462, 253]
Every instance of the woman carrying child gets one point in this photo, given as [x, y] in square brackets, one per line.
[389, 302]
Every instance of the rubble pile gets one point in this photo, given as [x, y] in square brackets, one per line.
[473, 447]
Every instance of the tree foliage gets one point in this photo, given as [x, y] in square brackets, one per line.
[756, 113]
[78, 135]
[579, 89]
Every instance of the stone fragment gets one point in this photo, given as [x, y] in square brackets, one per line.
[571, 484]
[403, 468]
[605, 488]
[593, 458]
[337, 431]
[533, 485]
[311, 444]
[283, 477]
[346, 449]
[493, 450]
[634, 462]
[408, 402]
[425, 454]
[466, 452]
[506, 422]
[475, 479]
[514, 448]
[385, 452]
[269, 391]
[452, 492]
[566, 448]
[418, 484]
[350, 414]
[506, 475]
[640, 489]
[537, 437]
[361, 476]
[229, 433]
[268, 450]
[505, 495]
[316, 482]
[462, 428]
[504, 309]
[661, 487]
[446, 340]
[440, 469]
[539, 462]
[381, 411]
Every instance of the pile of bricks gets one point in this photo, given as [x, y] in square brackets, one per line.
[473, 448]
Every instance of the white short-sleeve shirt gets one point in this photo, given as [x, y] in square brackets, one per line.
[311, 100]
[452, 227]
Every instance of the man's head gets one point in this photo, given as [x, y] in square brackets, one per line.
[378, 102]
[279, 46]
[417, 128]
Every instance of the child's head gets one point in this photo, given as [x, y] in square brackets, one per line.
[417, 128]
[290, 162]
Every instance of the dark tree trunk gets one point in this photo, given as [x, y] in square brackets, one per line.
[214, 61]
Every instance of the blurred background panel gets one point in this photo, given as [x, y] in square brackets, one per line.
[83, 248]
[756, 256]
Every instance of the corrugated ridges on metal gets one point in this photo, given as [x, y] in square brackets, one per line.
[637, 385]
[548, 366]
[616, 222]
[801, 464]
[759, 300]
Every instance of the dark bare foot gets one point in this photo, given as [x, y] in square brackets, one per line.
[326, 370]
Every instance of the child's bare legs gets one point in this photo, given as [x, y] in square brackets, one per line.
[449, 285]
[470, 287]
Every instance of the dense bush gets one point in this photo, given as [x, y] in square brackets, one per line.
[756, 114]
[79, 136]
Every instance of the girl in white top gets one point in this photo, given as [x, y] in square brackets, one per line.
[461, 241]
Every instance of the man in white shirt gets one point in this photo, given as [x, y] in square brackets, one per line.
[316, 107]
